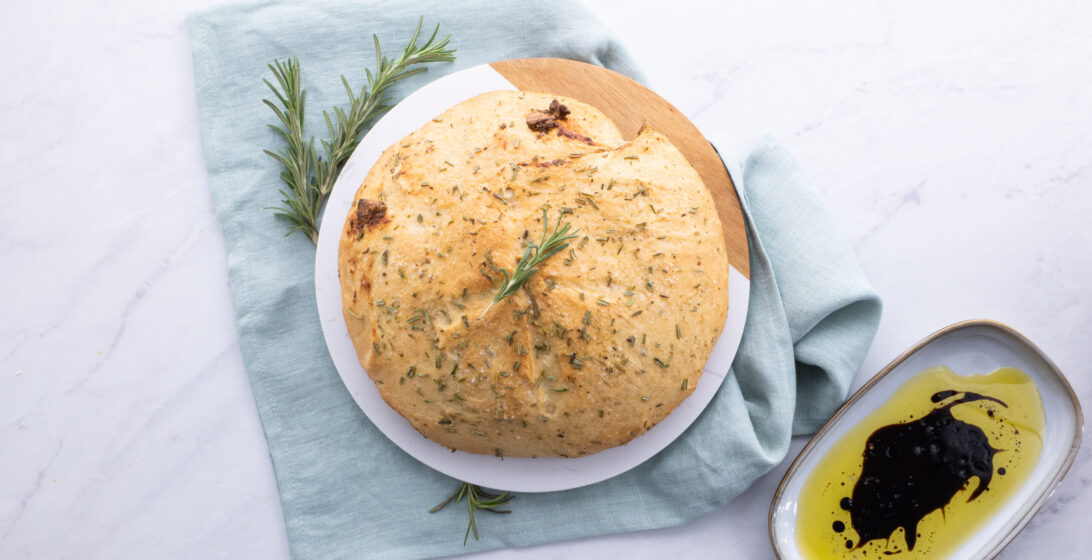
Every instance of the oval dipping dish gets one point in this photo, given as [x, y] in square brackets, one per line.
[969, 348]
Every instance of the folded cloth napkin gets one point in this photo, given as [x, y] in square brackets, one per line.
[348, 492]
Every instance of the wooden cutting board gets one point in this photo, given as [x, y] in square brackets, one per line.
[632, 105]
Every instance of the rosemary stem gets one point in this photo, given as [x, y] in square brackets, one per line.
[310, 175]
[476, 499]
[486, 310]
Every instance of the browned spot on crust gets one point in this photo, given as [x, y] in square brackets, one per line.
[562, 131]
[369, 213]
[558, 110]
[539, 121]
[543, 121]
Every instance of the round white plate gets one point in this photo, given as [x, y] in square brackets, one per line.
[543, 474]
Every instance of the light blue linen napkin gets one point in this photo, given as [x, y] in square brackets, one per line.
[348, 492]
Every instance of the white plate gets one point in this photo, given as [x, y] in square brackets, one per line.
[967, 348]
[544, 474]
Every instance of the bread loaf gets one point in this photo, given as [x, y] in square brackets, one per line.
[605, 338]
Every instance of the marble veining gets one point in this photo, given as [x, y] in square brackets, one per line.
[950, 139]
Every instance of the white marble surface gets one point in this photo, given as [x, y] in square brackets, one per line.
[952, 139]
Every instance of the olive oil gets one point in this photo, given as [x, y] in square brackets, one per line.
[925, 470]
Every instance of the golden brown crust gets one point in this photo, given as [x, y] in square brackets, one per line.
[626, 317]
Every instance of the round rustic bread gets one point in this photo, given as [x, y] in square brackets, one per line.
[601, 343]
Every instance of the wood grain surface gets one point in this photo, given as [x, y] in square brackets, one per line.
[632, 105]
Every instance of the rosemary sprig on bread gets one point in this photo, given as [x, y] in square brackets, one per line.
[534, 255]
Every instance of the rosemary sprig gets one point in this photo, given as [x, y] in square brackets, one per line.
[476, 498]
[309, 175]
[534, 255]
